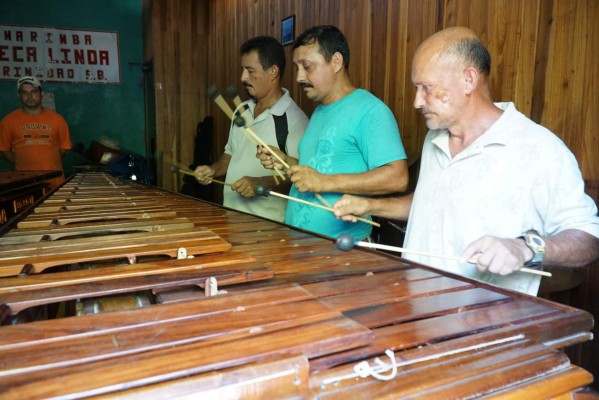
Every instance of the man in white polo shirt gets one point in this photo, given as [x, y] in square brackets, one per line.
[494, 186]
[274, 117]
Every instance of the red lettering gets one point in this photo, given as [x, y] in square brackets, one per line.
[79, 56]
[3, 56]
[28, 71]
[33, 37]
[88, 39]
[101, 75]
[19, 35]
[70, 73]
[15, 53]
[92, 57]
[65, 53]
[31, 54]
[62, 38]
[5, 71]
[75, 39]
[104, 57]
[49, 37]
[51, 59]
[50, 73]
[7, 35]
[59, 73]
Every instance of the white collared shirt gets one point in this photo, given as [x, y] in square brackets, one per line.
[516, 176]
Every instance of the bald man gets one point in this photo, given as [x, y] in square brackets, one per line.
[494, 186]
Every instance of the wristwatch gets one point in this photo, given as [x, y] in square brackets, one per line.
[535, 242]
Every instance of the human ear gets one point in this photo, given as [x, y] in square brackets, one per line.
[471, 77]
[337, 61]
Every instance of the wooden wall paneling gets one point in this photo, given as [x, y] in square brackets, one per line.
[588, 157]
[503, 36]
[558, 73]
[411, 124]
[566, 121]
[357, 30]
[380, 43]
[525, 57]
[541, 60]
[579, 74]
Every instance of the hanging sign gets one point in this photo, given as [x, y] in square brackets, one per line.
[59, 55]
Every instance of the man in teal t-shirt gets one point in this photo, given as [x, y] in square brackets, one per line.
[352, 143]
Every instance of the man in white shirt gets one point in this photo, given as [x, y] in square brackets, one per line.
[272, 114]
[494, 186]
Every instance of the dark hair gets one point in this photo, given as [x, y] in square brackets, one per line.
[330, 41]
[270, 52]
[474, 52]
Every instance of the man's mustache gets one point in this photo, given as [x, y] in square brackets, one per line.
[305, 85]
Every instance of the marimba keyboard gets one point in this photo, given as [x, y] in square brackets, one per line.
[290, 316]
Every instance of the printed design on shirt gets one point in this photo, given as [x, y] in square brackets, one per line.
[322, 161]
[304, 213]
[36, 126]
[32, 139]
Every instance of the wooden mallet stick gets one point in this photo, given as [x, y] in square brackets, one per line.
[220, 101]
[260, 190]
[346, 242]
[240, 122]
[174, 168]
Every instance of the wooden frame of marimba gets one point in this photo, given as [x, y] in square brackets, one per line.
[241, 307]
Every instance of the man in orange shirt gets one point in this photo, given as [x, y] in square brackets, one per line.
[32, 137]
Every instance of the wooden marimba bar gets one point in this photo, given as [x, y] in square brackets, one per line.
[242, 307]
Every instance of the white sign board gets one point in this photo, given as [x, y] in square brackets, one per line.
[59, 55]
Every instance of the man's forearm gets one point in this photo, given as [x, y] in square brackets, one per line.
[571, 248]
[390, 178]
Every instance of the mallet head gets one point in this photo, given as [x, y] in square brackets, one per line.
[232, 91]
[239, 121]
[345, 242]
[212, 92]
[261, 190]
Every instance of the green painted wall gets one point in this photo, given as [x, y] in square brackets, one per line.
[91, 110]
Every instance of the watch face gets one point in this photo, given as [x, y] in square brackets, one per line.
[536, 240]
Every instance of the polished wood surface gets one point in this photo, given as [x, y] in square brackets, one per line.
[291, 318]
[19, 190]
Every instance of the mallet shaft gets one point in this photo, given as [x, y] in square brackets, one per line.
[182, 171]
[434, 255]
[367, 221]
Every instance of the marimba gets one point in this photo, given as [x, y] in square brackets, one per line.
[241, 307]
[21, 189]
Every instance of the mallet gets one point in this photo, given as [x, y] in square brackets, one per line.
[260, 190]
[174, 168]
[234, 95]
[220, 101]
[345, 242]
[240, 122]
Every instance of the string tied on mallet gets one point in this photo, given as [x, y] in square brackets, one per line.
[345, 242]
[261, 190]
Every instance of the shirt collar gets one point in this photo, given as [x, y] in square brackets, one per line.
[500, 132]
